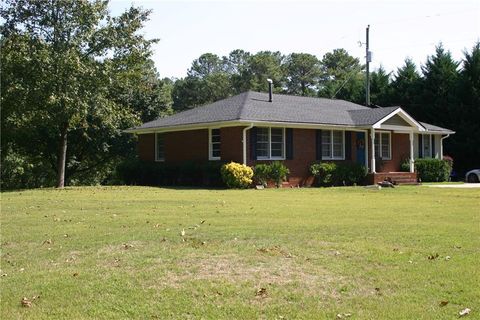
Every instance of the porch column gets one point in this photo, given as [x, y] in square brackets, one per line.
[372, 137]
[412, 163]
[366, 148]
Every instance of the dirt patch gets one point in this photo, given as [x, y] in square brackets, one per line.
[272, 270]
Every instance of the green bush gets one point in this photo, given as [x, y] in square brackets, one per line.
[332, 174]
[278, 172]
[324, 173]
[405, 166]
[349, 174]
[236, 175]
[261, 174]
[433, 170]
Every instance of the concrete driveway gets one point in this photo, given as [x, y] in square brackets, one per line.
[459, 185]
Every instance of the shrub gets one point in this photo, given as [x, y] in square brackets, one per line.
[261, 174]
[332, 174]
[278, 172]
[349, 174]
[323, 173]
[433, 170]
[236, 175]
[405, 166]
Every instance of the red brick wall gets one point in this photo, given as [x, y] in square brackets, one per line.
[179, 146]
[231, 147]
[146, 146]
[400, 151]
[304, 154]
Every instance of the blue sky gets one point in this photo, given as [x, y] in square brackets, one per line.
[399, 29]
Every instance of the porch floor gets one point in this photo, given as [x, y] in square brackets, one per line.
[393, 177]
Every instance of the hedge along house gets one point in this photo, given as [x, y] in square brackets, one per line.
[255, 127]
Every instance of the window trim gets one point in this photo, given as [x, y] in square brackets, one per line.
[210, 145]
[156, 147]
[380, 144]
[332, 157]
[429, 144]
[269, 157]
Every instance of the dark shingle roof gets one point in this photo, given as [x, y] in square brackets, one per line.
[431, 127]
[254, 106]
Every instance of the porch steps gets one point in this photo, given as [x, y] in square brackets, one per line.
[394, 177]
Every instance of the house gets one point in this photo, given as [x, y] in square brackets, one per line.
[255, 127]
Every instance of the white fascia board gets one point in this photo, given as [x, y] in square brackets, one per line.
[405, 116]
[235, 123]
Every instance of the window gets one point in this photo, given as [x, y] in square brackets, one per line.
[382, 145]
[159, 147]
[214, 152]
[333, 145]
[270, 143]
[426, 146]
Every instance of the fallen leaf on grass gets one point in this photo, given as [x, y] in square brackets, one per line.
[443, 303]
[26, 303]
[262, 292]
[48, 241]
[127, 246]
[447, 258]
[464, 312]
[343, 315]
[75, 274]
[202, 222]
[433, 256]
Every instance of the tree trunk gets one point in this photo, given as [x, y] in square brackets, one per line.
[62, 157]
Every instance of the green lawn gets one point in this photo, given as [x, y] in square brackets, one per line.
[119, 253]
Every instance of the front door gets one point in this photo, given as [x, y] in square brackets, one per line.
[360, 149]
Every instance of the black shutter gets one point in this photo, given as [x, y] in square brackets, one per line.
[318, 144]
[348, 145]
[289, 143]
[253, 143]
[432, 141]
[420, 146]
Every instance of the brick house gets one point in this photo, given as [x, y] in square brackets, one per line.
[255, 127]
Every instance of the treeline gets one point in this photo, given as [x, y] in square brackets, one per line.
[73, 77]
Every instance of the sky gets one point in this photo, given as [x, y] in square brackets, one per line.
[398, 29]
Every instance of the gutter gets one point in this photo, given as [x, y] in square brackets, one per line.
[244, 142]
[441, 145]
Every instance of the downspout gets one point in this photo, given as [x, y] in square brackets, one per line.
[441, 145]
[244, 141]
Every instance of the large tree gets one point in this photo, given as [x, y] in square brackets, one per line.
[380, 93]
[302, 72]
[69, 53]
[405, 86]
[342, 77]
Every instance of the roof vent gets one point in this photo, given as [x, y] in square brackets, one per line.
[270, 89]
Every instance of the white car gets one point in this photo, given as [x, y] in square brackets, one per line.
[473, 176]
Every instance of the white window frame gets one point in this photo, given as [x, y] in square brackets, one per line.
[269, 157]
[210, 144]
[380, 145]
[156, 147]
[429, 144]
[331, 157]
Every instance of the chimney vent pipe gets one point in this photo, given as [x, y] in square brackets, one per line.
[270, 89]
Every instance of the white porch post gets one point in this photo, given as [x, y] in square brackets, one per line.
[412, 163]
[372, 137]
[366, 149]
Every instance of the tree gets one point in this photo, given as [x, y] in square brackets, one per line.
[342, 77]
[266, 65]
[237, 66]
[405, 87]
[302, 73]
[439, 96]
[380, 87]
[69, 52]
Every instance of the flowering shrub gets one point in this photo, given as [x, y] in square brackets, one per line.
[236, 175]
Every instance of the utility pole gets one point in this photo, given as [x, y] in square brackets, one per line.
[368, 57]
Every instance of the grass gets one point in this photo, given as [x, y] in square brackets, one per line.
[119, 253]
